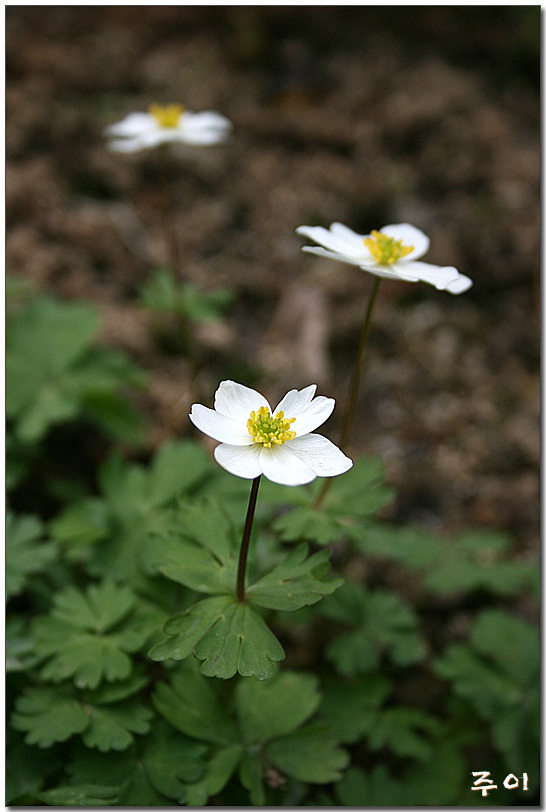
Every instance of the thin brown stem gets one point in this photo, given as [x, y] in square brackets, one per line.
[243, 554]
[355, 383]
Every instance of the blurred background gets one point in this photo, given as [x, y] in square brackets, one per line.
[363, 115]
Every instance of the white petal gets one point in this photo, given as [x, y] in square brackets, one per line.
[125, 145]
[243, 461]
[204, 137]
[409, 236]
[389, 271]
[322, 252]
[347, 235]
[219, 427]
[321, 455]
[207, 119]
[312, 416]
[237, 401]
[296, 400]
[331, 241]
[435, 275]
[283, 467]
[145, 140]
[459, 285]
[131, 125]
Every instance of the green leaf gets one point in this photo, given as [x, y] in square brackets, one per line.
[80, 525]
[359, 493]
[406, 731]
[296, 582]
[499, 674]
[27, 768]
[191, 705]
[219, 770]
[197, 547]
[171, 760]
[267, 710]
[111, 727]
[475, 559]
[310, 754]
[240, 642]
[20, 653]
[308, 523]
[155, 768]
[116, 691]
[229, 637]
[164, 292]
[26, 553]
[382, 624]
[134, 497]
[251, 774]
[48, 716]
[83, 795]
[54, 374]
[436, 783]
[123, 773]
[88, 635]
[349, 708]
[101, 608]
[371, 789]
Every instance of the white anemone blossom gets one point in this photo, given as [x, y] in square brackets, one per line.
[166, 125]
[278, 443]
[393, 253]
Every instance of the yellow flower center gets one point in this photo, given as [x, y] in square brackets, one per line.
[266, 429]
[385, 249]
[168, 116]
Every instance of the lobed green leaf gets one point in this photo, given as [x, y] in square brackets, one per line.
[26, 552]
[296, 582]
[309, 754]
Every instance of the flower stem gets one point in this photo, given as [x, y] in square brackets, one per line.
[168, 220]
[355, 383]
[243, 554]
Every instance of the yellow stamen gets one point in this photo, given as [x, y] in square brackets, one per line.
[385, 249]
[266, 429]
[168, 116]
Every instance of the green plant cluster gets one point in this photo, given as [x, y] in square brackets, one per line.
[135, 677]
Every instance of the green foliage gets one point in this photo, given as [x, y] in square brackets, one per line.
[357, 494]
[26, 552]
[350, 708]
[475, 559]
[54, 373]
[27, 768]
[422, 685]
[151, 772]
[119, 524]
[380, 624]
[498, 673]
[164, 293]
[105, 720]
[296, 582]
[197, 546]
[265, 726]
[89, 636]
[229, 637]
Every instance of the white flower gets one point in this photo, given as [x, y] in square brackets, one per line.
[258, 440]
[165, 125]
[393, 253]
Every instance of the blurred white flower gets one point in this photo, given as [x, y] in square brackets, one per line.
[165, 125]
[392, 253]
[258, 440]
